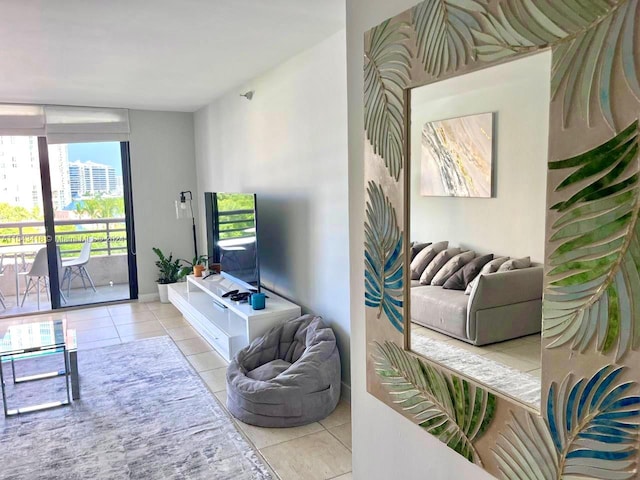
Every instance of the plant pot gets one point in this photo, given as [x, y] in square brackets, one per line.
[163, 290]
[197, 270]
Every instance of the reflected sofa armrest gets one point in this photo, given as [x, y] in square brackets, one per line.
[505, 305]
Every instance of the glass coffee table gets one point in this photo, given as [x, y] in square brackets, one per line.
[33, 341]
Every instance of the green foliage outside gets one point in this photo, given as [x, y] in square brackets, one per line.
[9, 213]
[238, 222]
[101, 207]
[69, 237]
[14, 214]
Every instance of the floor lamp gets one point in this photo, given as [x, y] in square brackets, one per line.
[182, 206]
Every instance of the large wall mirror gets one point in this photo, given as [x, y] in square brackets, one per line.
[476, 196]
[502, 231]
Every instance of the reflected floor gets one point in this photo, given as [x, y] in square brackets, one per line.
[77, 296]
[512, 367]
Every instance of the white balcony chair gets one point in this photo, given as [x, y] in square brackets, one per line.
[40, 271]
[79, 264]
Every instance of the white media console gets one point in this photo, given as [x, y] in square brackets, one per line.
[227, 325]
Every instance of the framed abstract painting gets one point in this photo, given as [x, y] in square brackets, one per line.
[457, 157]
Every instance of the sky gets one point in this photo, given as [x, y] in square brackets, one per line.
[107, 153]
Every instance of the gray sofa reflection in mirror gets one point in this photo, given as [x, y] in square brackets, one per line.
[500, 306]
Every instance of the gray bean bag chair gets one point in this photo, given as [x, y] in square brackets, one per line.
[288, 377]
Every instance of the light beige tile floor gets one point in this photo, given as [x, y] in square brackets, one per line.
[319, 451]
[318, 456]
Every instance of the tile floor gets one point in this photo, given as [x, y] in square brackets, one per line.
[320, 451]
[521, 353]
[77, 296]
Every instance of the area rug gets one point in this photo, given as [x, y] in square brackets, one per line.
[144, 414]
[520, 385]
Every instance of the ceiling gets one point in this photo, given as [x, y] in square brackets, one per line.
[150, 54]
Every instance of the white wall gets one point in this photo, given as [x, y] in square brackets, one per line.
[162, 165]
[289, 145]
[513, 222]
[385, 445]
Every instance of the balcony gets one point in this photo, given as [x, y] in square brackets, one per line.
[108, 266]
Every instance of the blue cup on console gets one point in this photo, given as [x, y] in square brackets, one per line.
[258, 301]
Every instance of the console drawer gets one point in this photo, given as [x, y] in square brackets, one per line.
[217, 338]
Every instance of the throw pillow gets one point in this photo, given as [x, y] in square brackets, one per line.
[416, 248]
[515, 264]
[463, 277]
[451, 267]
[491, 267]
[436, 264]
[425, 257]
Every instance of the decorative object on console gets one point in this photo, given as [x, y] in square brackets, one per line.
[451, 267]
[181, 209]
[197, 265]
[197, 270]
[463, 277]
[424, 258]
[457, 157]
[258, 301]
[436, 264]
[288, 377]
[491, 267]
[170, 271]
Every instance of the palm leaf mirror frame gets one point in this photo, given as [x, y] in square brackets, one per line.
[588, 426]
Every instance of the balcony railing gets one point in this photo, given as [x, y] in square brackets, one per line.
[236, 224]
[109, 235]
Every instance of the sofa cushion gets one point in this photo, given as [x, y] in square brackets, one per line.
[444, 310]
[451, 267]
[417, 248]
[464, 276]
[494, 265]
[436, 264]
[424, 257]
[515, 264]
[491, 267]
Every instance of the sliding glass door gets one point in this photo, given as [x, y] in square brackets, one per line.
[23, 280]
[66, 227]
[90, 221]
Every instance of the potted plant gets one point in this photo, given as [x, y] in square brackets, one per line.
[170, 272]
[198, 264]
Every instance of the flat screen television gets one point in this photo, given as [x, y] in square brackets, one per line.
[232, 236]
